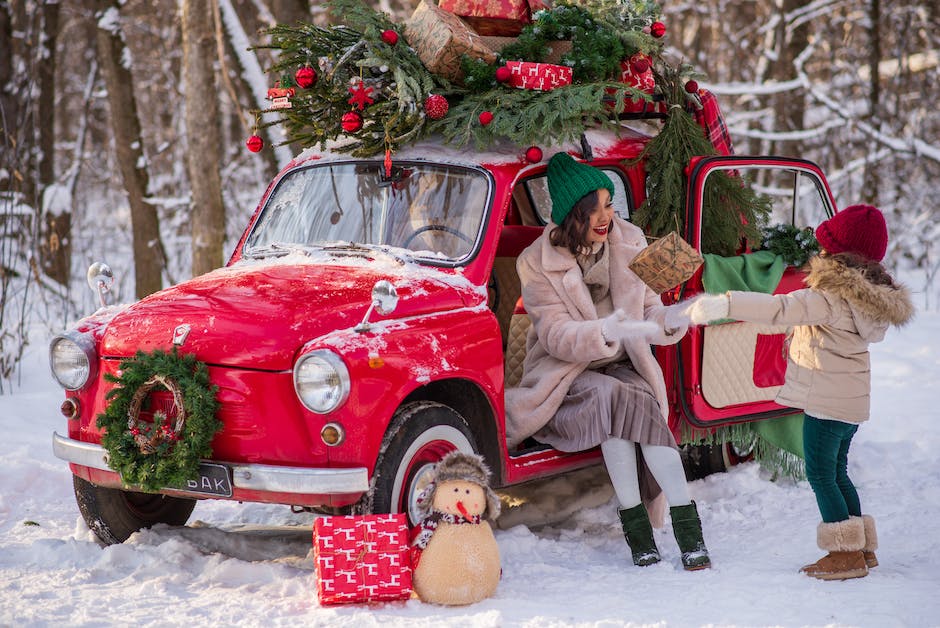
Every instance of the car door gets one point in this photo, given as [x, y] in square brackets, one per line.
[729, 373]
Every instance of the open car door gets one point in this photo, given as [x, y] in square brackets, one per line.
[731, 372]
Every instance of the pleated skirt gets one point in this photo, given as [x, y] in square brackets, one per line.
[613, 401]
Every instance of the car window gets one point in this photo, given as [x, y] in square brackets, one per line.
[430, 211]
[537, 188]
[797, 196]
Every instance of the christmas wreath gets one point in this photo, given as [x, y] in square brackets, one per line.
[165, 451]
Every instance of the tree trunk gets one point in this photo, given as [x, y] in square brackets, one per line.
[203, 153]
[55, 250]
[46, 77]
[789, 106]
[869, 192]
[8, 100]
[16, 100]
[291, 12]
[149, 258]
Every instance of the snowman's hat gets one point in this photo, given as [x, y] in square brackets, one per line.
[459, 466]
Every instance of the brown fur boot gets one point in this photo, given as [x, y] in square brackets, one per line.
[871, 541]
[844, 541]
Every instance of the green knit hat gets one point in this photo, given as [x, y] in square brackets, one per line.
[569, 181]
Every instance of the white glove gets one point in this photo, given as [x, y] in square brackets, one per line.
[707, 308]
[617, 330]
[676, 319]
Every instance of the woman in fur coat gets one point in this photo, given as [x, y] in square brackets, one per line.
[849, 302]
[589, 377]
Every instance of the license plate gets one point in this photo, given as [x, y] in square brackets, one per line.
[213, 479]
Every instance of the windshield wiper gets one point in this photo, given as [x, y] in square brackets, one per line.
[276, 249]
[359, 250]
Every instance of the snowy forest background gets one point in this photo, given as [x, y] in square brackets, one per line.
[113, 109]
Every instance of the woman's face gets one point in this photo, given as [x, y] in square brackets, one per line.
[600, 218]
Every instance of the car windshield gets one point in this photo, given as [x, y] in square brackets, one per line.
[420, 210]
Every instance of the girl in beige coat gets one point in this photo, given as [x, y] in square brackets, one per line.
[849, 302]
[589, 377]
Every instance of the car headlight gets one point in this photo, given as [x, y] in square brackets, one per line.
[73, 359]
[321, 381]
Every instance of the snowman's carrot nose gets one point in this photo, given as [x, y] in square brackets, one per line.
[462, 509]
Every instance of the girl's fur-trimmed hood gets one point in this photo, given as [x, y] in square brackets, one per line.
[880, 303]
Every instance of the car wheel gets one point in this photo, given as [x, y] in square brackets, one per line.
[421, 434]
[702, 460]
[113, 515]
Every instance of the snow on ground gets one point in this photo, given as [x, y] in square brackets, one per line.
[564, 559]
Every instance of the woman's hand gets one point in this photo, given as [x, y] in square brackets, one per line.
[617, 328]
[676, 319]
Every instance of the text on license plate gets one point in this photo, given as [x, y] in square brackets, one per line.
[213, 479]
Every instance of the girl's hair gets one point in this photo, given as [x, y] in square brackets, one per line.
[873, 271]
[572, 232]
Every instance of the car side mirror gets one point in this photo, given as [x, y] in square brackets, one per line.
[100, 279]
[384, 301]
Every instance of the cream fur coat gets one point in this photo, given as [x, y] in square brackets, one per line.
[565, 336]
[833, 320]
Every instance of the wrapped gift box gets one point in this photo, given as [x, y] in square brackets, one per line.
[643, 81]
[538, 76]
[666, 263]
[494, 17]
[362, 559]
[440, 39]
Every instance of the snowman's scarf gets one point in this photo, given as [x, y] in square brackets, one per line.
[429, 524]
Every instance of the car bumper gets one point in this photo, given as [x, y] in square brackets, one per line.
[250, 477]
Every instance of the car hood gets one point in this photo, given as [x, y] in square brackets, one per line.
[258, 315]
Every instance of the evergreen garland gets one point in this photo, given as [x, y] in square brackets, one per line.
[342, 56]
[628, 16]
[530, 117]
[732, 211]
[596, 50]
[793, 244]
[174, 458]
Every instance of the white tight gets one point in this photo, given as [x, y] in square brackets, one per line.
[663, 462]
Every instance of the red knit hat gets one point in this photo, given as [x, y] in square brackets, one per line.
[857, 229]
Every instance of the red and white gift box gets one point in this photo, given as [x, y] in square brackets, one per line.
[642, 80]
[362, 558]
[637, 71]
[538, 76]
[494, 17]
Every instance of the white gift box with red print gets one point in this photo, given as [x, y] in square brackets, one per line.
[538, 76]
[362, 559]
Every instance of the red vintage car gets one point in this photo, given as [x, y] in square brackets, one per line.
[369, 321]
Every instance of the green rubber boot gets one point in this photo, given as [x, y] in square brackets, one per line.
[639, 535]
[687, 527]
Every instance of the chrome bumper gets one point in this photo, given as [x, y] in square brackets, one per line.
[255, 477]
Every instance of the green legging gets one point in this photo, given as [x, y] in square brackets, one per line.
[826, 450]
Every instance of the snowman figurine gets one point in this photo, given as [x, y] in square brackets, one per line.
[456, 559]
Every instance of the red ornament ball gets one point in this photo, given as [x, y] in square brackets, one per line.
[657, 29]
[436, 106]
[486, 117]
[352, 121]
[502, 74]
[305, 77]
[691, 87]
[533, 154]
[390, 37]
[254, 143]
[640, 65]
